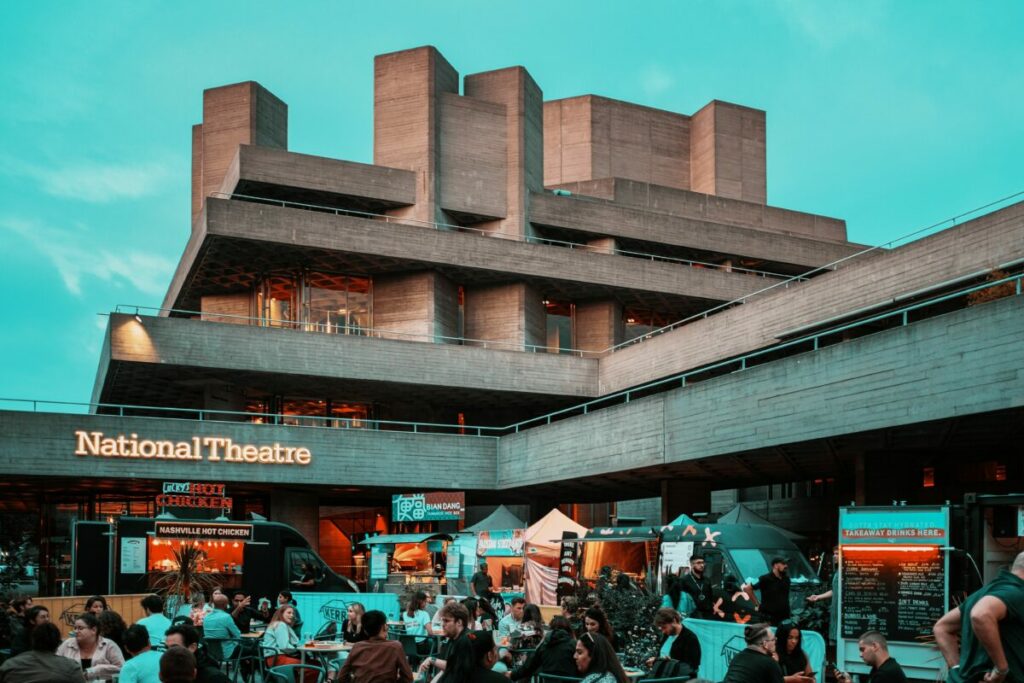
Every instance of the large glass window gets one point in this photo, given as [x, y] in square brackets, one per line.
[277, 301]
[317, 301]
[559, 326]
[309, 412]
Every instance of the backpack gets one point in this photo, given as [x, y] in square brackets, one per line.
[671, 668]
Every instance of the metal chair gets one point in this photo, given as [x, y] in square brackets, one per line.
[296, 673]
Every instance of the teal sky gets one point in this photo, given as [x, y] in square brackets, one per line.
[892, 115]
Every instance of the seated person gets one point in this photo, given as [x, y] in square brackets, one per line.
[678, 643]
[376, 659]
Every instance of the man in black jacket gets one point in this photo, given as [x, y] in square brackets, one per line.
[698, 587]
[678, 643]
[874, 650]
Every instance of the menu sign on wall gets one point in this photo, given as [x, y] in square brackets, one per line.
[901, 594]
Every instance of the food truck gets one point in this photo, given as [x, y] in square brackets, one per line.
[258, 556]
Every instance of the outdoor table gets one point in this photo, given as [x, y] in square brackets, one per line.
[254, 634]
[322, 647]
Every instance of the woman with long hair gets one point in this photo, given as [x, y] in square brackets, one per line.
[352, 627]
[788, 646]
[112, 627]
[533, 623]
[281, 636]
[676, 598]
[96, 604]
[99, 657]
[554, 655]
[596, 621]
[596, 660]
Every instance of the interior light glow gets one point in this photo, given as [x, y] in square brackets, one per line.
[894, 548]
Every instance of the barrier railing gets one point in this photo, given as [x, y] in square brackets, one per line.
[1012, 284]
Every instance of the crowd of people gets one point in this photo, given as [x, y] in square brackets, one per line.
[480, 639]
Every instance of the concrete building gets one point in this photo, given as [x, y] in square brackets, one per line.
[484, 308]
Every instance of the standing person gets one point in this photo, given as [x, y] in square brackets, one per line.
[458, 653]
[207, 669]
[596, 621]
[774, 587]
[677, 642]
[308, 579]
[155, 621]
[40, 664]
[99, 657]
[790, 651]
[219, 625]
[990, 623]
[376, 659]
[281, 636]
[352, 628]
[833, 614]
[596, 660]
[144, 666]
[554, 655]
[874, 650]
[755, 664]
[480, 582]
[699, 588]
[676, 598]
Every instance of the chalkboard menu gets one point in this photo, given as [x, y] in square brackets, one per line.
[900, 594]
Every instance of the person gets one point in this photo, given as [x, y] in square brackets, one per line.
[155, 621]
[458, 653]
[479, 618]
[554, 655]
[178, 665]
[874, 650]
[352, 627]
[308, 579]
[431, 606]
[242, 611]
[495, 600]
[480, 581]
[596, 621]
[281, 636]
[698, 586]
[511, 621]
[677, 642]
[435, 622]
[207, 669]
[285, 598]
[676, 598]
[198, 610]
[112, 627]
[376, 659]
[596, 660]
[96, 604]
[531, 627]
[21, 634]
[415, 617]
[485, 656]
[219, 625]
[774, 587]
[144, 666]
[39, 664]
[990, 623]
[571, 611]
[755, 664]
[833, 614]
[789, 648]
[99, 657]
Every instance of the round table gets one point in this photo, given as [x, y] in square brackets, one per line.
[323, 647]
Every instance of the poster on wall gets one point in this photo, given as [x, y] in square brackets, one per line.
[133, 555]
[675, 556]
[452, 570]
[506, 543]
[378, 563]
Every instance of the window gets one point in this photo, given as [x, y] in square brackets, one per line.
[317, 301]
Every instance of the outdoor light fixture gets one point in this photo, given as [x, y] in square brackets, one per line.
[138, 318]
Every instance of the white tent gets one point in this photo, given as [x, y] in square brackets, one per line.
[541, 548]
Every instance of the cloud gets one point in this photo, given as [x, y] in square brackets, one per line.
[656, 79]
[97, 182]
[829, 24]
[76, 258]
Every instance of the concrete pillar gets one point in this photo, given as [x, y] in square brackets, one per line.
[419, 306]
[680, 496]
[511, 314]
[598, 325]
[240, 114]
[298, 510]
[407, 91]
[727, 152]
[524, 116]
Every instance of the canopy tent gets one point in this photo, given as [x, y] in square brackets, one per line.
[682, 520]
[744, 515]
[542, 544]
[499, 520]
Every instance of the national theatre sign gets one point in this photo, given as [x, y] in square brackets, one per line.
[209, 448]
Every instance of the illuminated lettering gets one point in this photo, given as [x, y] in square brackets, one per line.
[213, 448]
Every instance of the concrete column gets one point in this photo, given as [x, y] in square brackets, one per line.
[407, 89]
[680, 496]
[512, 314]
[598, 325]
[422, 305]
[524, 115]
[727, 152]
[240, 114]
[299, 510]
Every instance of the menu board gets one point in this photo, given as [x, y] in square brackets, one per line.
[900, 594]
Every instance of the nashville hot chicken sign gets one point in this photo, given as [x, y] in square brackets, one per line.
[209, 448]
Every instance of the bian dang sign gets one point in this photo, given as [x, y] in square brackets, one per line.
[209, 448]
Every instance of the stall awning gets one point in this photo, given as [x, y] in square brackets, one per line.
[612, 533]
[405, 538]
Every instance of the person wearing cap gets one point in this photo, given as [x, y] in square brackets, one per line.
[699, 588]
[774, 587]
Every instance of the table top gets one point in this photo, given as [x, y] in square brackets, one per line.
[325, 646]
[633, 673]
[254, 634]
